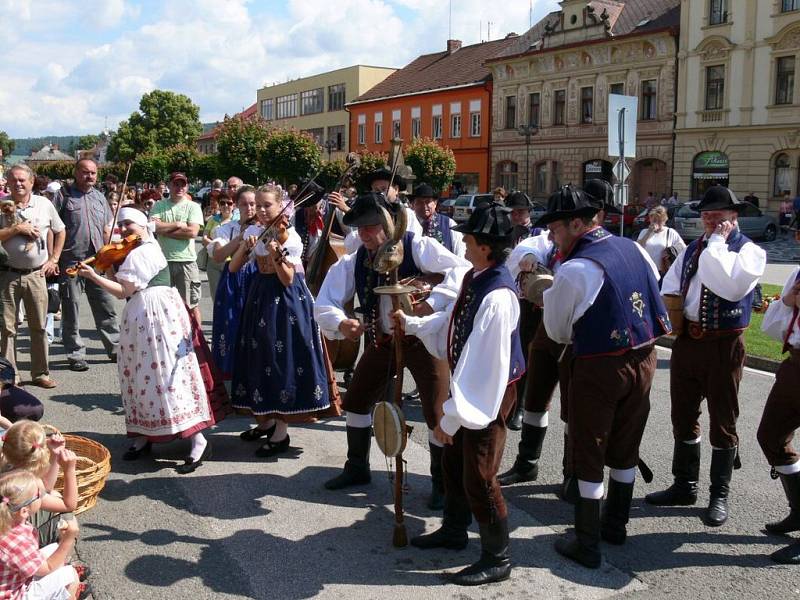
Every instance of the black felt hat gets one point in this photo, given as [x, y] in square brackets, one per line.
[312, 191]
[384, 173]
[567, 203]
[518, 200]
[600, 193]
[366, 210]
[423, 190]
[489, 220]
[718, 197]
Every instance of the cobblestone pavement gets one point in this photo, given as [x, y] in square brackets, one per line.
[783, 250]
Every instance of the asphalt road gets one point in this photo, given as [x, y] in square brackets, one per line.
[238, 528]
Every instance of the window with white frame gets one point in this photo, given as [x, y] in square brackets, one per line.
[336, 96]
[395, 124]
[312, 101]
[455, 119]
[286, 106]
[362, 129]
[790, 5]
[715, 87]
[718, 12]
[784, 81]
[336, 133]
[416, 122]
[649, 104]
[378, 127]
[267, 108]
[475, 118]
[587, 104]
[436, 122]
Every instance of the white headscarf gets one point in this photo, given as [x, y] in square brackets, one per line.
[134, 215]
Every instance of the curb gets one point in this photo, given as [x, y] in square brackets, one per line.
[752, 361]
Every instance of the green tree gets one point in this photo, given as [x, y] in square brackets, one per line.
[431, 163]
[370, 161]
[6, 143]
[164, 119]
[87, 142]
[331, 173]
[289, 156]
[63, 169]
[206, 167]
[239, 143]
[150, 167]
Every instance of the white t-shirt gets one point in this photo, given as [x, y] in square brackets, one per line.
[24, 253]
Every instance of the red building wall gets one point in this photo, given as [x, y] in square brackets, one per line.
[471, 151]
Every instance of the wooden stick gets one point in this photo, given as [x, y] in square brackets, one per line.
[119, 204]
[400, 537]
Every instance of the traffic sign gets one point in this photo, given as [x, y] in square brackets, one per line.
[621, 170]
[622, 114]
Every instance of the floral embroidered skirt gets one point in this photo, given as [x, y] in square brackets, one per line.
[279, 366]
[228, 306]
[160, 381]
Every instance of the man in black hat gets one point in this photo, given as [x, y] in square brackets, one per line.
[483, 347]
[353, 276]
[520, 206]
[435, 225]
[309, 218]
[715, 276]
[605, 300]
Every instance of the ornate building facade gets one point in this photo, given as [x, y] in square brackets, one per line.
[738, 108]
[556, 81]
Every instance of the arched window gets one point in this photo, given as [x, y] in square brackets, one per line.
[507, 175]
[783, 175]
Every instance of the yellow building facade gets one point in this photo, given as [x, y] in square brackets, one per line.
[316, 104]
[738, 104]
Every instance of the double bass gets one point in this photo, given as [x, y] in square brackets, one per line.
[329, 249]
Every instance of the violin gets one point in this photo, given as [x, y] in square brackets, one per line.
[110, 255]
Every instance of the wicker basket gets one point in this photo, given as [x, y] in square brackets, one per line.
[91, 470]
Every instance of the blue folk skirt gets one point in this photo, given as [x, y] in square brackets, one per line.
[279, 366]
[228, 305]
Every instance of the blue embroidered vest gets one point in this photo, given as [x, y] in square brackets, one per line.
[473, 291]
[366, 279]
[717, 314]
[628, 312]
[438, 228]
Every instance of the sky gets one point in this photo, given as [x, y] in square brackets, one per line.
[68, 65]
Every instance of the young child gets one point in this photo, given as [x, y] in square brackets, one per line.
[27, 447]
[26, 572]
[279, 369]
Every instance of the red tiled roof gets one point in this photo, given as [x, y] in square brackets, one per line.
[625, 17]
[246, 114]
[440, 70]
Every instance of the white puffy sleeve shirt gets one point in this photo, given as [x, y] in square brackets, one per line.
[480, 377]
[538, 245]
[223, 234]
[338, 288]
[575, 288]
[142, 264]
[779, 316]
[730, 275]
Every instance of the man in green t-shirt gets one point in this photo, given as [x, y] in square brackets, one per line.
[177, 223]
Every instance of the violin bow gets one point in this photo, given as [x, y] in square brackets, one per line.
[119, 203]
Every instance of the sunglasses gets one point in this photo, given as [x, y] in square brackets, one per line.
[225, 203]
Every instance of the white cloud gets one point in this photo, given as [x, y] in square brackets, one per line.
[75, 63]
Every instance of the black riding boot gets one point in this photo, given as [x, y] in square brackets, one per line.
[584, 548]
[356, 469]
[721, 471]
[436, 499]
[791, 486]
[453, 532]
[494, 563]
[686, 470]
[514, 421]
[616, 512]
[526, 466]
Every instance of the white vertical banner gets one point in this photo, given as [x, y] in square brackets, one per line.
[623, 111]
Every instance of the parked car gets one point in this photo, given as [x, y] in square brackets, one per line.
[466, 203]
[642, 221]
[611, 221]
[752, 222]
[445, 207]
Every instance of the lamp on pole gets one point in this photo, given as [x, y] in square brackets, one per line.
[329, 146]
[528, 131]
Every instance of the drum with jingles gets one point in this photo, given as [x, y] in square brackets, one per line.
[389, 425]
[533, 284]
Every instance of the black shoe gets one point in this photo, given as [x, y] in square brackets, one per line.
[520, 472]
[584, 547]
[526, 465]
[445, 537]
[791, 486]
[616, 512]
[356, 469]
[722, 460]
[436, 499]
[494, 563]
[271, 448]
[133, 453]
[190, 465]
[686, 470]
[78, 364]
[790, 555]
[514, 421]
[256, 433]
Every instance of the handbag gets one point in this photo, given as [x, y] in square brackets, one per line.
[202, 259]
[53, 299]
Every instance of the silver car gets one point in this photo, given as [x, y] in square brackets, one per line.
[752, 222]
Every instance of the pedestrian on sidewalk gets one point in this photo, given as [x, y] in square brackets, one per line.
[177, 222]
[479, 333]
[781, 418]
[160, 381]
[716, 277]
[25, 223]
[88, 220]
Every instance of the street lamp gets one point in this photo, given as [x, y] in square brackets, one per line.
[528, 131]
[329, 146]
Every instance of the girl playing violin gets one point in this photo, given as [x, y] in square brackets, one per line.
[159, 376]
[279, 369]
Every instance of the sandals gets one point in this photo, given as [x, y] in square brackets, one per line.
[273, 448]
[82, 570]
[256, 433]
[84, 590]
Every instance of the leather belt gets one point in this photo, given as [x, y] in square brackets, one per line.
[20, 271]
[694, 330]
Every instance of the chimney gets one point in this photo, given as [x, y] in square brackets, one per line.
[53, 147]
[453, 45]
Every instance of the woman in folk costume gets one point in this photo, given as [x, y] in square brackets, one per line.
[232, 287]
[160, 380]
[279, 367]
